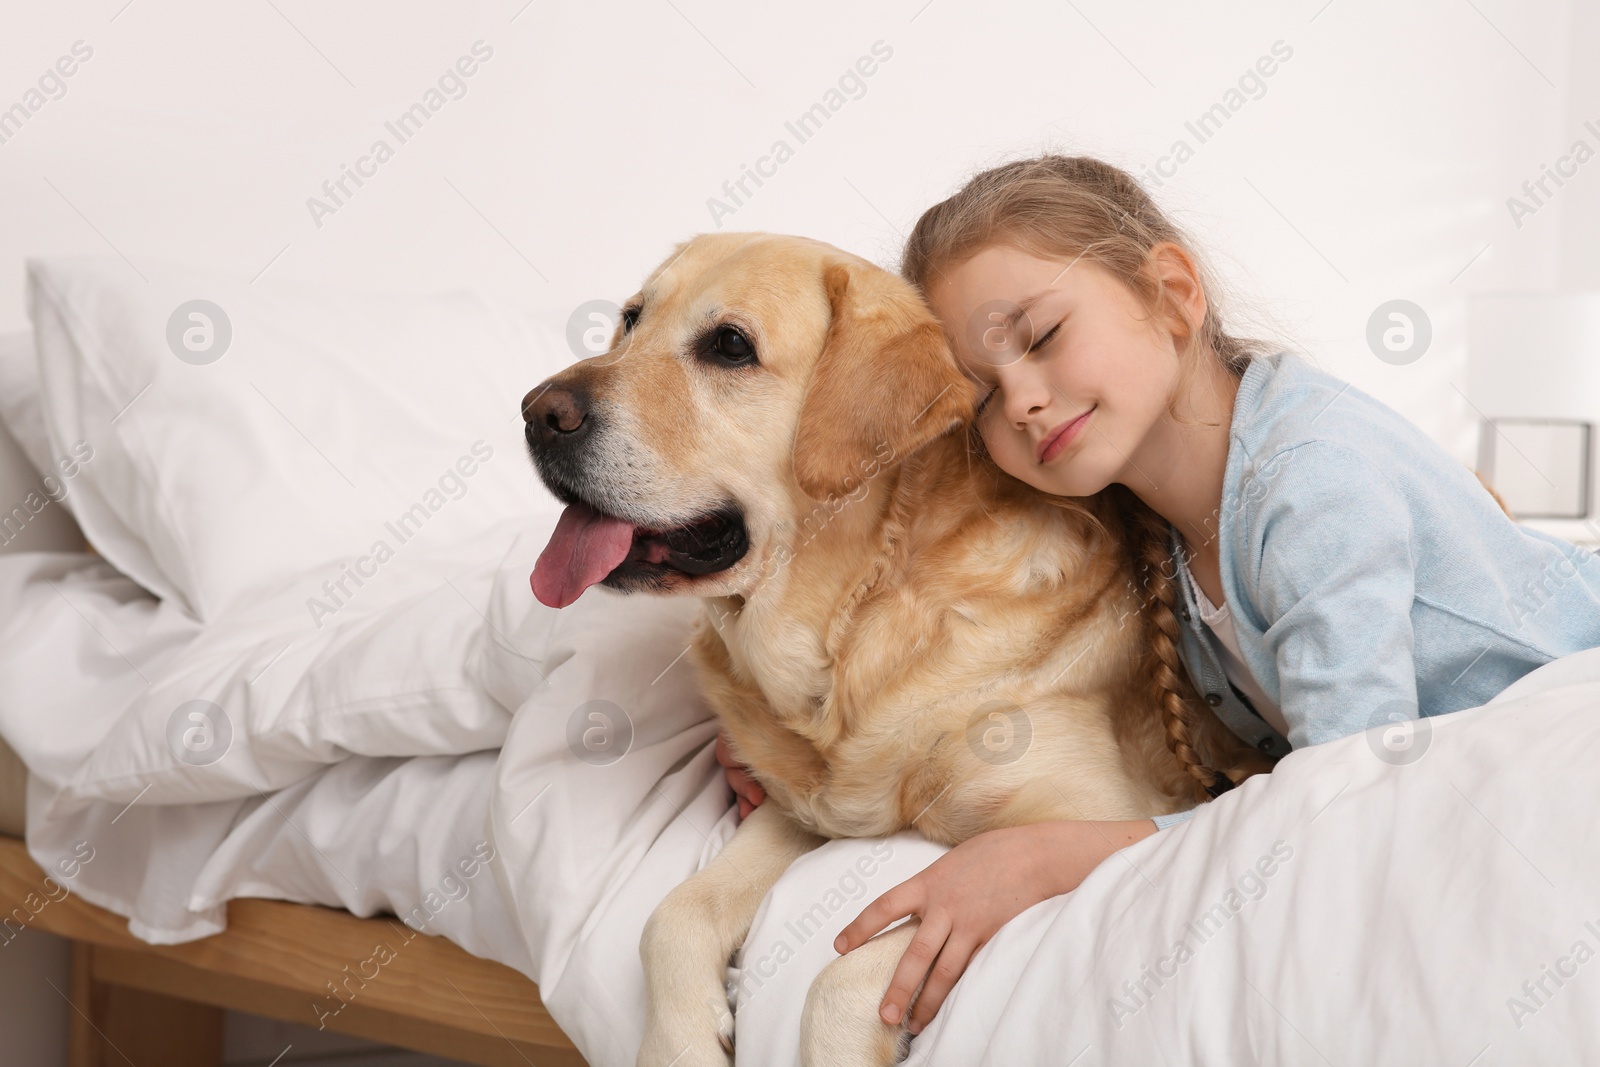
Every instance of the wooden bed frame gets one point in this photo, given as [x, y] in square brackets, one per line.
[135, 1003]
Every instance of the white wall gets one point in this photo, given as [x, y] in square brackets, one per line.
[1376, 164]
[1580, 222]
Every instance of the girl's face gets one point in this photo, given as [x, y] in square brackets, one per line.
[1077, 375]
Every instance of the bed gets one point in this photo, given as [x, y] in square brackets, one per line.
[163, 1001]
[268, 769]
[164, 1004]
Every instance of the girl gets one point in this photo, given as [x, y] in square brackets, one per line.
[1332, 567]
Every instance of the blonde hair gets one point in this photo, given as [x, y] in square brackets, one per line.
[1063, 208]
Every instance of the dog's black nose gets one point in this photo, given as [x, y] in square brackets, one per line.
[555, 412]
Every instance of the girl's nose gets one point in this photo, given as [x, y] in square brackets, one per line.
[1024, 395]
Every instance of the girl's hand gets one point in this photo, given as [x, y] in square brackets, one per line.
[746, 788]
[971, 891]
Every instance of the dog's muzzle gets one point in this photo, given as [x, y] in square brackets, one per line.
[592, 543]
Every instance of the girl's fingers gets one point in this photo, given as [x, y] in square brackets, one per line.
[914, 964]
[746, 787]
[745, 807]
[947, 968]
[738, 776]
[897, 903]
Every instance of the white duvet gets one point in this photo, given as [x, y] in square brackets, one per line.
[1351, 907]
[1348, 908]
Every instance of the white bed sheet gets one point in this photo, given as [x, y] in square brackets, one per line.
[1348, 907]
[1405, 910]
[1402, 910]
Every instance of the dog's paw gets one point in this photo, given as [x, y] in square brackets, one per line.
[839, 1024]
[705, 1050]
[683, 1046]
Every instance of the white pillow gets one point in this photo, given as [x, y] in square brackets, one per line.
[245, 433]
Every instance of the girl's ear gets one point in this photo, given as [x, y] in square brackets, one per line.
[885, 384]
[1176, 270]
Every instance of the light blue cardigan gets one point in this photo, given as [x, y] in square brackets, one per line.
[1369, 576]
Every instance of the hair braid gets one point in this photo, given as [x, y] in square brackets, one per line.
[1146, 534]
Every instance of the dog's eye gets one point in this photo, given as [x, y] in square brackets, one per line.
[630, 316]
[730, 346]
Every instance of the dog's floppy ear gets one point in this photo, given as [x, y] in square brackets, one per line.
[885, 384]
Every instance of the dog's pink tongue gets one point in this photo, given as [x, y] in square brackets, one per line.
[585, 547]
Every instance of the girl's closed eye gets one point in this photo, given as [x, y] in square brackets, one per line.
[1046, 339]
[1040, 343]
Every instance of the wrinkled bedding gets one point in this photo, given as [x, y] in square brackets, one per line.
[1350, 907]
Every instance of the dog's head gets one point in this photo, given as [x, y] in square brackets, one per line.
[751, 376]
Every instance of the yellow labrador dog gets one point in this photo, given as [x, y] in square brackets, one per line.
[896, 634]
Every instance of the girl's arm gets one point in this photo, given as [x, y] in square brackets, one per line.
[967, 894]
[1335, 584]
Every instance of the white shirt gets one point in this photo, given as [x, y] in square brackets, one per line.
[1220, 622]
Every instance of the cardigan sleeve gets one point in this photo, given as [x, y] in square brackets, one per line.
[1164, 821]
[1334, 581]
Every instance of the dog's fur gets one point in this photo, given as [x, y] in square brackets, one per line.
[913, 639]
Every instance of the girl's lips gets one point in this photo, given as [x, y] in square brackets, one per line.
[1051, 446]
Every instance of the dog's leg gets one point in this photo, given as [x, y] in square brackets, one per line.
[840, 1026]
[690, 936]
